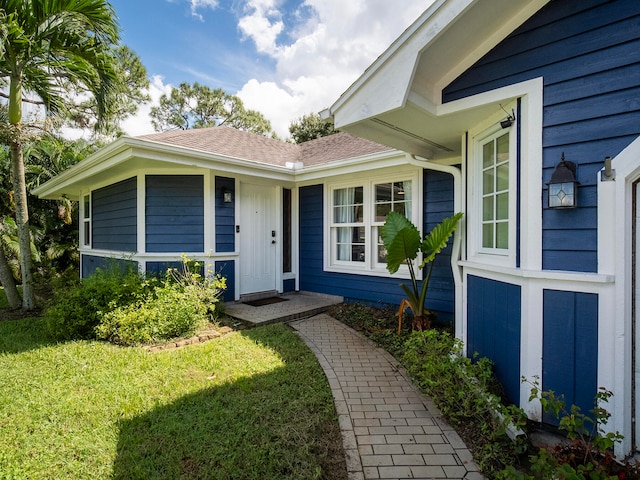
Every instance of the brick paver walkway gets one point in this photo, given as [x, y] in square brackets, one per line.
[389, 429]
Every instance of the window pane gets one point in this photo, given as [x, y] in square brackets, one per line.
[487, 208]
[383, 192]
[87, 204]
[502, 235]
[358, 195]
[382, 210]
[487, 154]
[399, 192]
[487, 235]
[87, 233]
[350, 244]
[487, 181]
[382, 254]
[502, 206]
[503, 177]
[400, 208]
[503, 148]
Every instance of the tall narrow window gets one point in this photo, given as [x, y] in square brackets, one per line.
[86, 220]
[495, 192]
[348, 224]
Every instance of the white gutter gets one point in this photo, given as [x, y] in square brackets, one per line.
[460, 329]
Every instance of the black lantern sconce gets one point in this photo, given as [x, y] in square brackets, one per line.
[226, 195]
[563, 186]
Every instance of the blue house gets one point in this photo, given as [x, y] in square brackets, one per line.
[525, 116]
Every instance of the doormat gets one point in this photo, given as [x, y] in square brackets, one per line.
[265, 301]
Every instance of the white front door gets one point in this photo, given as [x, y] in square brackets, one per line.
[258, 238]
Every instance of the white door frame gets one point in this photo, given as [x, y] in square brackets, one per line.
[616, 369]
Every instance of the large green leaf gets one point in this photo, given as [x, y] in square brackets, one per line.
[437, 238]
[401, 239]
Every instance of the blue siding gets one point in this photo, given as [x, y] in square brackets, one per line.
[438, 204]
[92, 262]
[225, 215]
[226, 268]
[289, 286]
[174, 213]
[114, 215]
[570, 348]
[493, 325]
[588, 53]
[159, 269]
[372, 289]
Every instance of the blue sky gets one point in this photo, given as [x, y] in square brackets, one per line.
[284, 58]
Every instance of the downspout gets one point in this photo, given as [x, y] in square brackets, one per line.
[460, 329]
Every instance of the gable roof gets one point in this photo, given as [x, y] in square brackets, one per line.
[398, 99]
[223, 148]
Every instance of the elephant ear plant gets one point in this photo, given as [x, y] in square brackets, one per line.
[402, 241]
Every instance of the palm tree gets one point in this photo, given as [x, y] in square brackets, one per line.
[51, 49]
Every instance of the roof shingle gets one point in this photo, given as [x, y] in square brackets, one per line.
[234, 143]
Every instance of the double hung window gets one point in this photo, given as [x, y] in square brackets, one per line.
[357, 215]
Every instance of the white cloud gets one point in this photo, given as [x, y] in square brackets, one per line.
[318, 58]
[197, 4]
[328, 47]
[140, 123]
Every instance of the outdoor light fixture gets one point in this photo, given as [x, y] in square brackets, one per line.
[226, 196]
[563, 186]
[511, 117]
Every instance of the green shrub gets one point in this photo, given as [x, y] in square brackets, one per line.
[462, 390]
[183, 303]
[588, 452]
[77, 307]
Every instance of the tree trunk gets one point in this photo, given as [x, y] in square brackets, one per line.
[7, 281]
[20, 190]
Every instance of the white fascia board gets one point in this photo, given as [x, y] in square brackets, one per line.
[391, 158]
[116, 152]
[126, 148]
[365, 98]
[392, 79]
[197, 158]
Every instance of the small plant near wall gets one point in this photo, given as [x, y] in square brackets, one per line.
[588, 454]
[403, 244]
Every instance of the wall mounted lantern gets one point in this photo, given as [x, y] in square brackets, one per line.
[226, 195]
[563, 186]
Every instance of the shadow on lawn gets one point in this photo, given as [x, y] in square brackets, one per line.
[259, 427]
[23, 334]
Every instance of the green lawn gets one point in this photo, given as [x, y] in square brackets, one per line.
[251, 405]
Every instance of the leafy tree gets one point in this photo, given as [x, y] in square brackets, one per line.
[53, 224]
[198, 106]
[128, 93]
[48, 47]
[310, 127]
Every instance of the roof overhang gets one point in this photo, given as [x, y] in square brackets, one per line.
[127, 156]
[398, 100]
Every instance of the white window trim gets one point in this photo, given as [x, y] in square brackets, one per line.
[477, 137]
[86, 219]
[370, 266]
